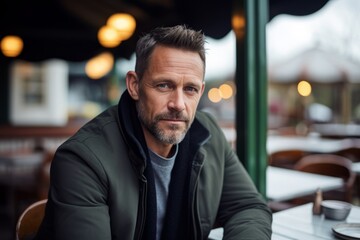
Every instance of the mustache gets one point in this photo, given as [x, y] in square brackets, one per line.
[172, 115]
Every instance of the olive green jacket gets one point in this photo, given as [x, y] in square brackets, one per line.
[98, 189]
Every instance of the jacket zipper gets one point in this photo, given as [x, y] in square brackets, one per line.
[140, 222]
[196, 167]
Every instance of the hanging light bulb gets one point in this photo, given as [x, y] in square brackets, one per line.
[109, 37]
[238, 24]
[99, 66]
[11, 46]
[124, 23]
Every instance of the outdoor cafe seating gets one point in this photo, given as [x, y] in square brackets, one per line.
[352, 153]
[24, 179]
[330, 165]
[316, 163]
[30, 220]
[286, 158]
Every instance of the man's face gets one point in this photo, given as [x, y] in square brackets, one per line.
[169, 94]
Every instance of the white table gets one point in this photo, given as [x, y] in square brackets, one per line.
[284, 184]
[314, 144]
[300, 223]
[356, 168]
[337, 130]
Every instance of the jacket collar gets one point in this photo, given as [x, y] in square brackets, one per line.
[177, 217]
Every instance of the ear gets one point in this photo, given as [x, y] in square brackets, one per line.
[202, 88]
[132, 84]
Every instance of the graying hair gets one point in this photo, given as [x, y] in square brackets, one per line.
[179, 36]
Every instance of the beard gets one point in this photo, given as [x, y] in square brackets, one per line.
[173, 134]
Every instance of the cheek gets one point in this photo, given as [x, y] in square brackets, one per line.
[193, 103]
[159, 101]
[151, 105]
[192, 107]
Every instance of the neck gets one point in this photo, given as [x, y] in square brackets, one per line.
[160, 148]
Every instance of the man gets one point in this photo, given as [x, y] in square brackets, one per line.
[153, 167]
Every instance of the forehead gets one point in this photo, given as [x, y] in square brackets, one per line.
[173, 60]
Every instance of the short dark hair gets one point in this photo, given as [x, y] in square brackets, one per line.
[178, 36]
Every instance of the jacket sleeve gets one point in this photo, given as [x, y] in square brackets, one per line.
[78, 194]
[242, 211]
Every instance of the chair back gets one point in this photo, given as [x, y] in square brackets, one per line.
[286, 158]
[330, 165]
[30, 220]
[44, 175]
[352, 153]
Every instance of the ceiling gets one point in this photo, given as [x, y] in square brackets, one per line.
[67, 29]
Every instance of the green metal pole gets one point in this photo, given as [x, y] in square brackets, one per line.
[251, 82]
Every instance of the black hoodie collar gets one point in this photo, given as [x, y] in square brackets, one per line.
[177, 217]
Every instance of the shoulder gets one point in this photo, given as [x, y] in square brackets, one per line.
[97, 141]
[96, 126]
[218, 139]
[208, 121]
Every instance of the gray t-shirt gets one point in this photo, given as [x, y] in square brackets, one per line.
[162, 174]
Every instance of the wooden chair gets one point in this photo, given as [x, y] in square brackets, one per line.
[286, 158]
[30, 220]
[330, 165]
[352, 153]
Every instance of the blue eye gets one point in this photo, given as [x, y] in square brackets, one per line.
[191, 89]
[163, 86]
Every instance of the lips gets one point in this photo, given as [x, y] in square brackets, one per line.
[172, 117]
[174, 120]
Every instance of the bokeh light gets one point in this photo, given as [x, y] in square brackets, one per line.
[214, 95]
[304, 88]
[11, 46]
[226, 91]
[109, 37]
[124, 23]
[99, 66]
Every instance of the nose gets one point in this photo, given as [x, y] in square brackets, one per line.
[177, 102]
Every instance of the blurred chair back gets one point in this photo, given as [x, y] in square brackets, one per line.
[30, 220]
[330, 165]
[44, 175]
[286, 158]
[352, 153]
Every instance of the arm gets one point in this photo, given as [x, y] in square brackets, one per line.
[78, 194]
[242, 212]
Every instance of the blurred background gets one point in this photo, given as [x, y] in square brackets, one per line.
[63, 62]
